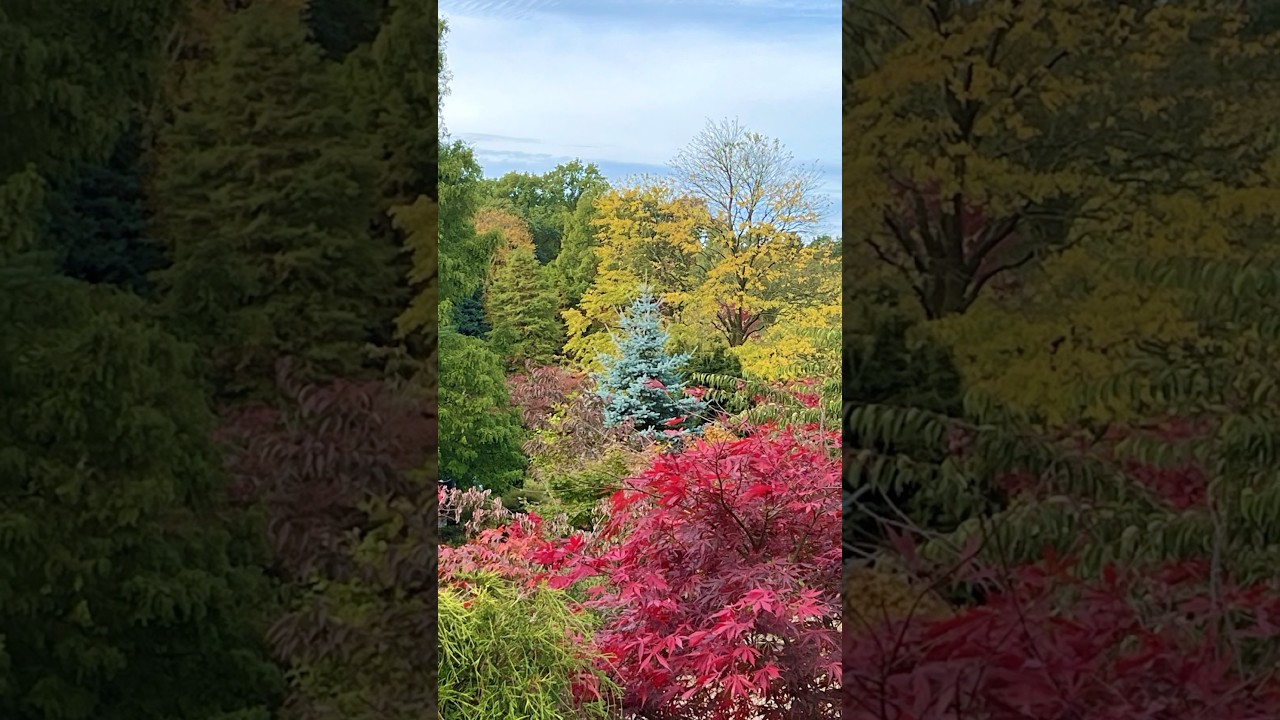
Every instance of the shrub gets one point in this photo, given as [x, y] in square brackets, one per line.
[1052, 645]
[721, 584]
[509, 645]
[508, 652]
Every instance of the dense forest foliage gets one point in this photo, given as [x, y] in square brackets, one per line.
[1060, 388]
[638, 415]
[217, 451]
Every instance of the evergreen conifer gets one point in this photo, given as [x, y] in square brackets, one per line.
[480, 432]
[521, 305]
[264, 190]
[643, 382]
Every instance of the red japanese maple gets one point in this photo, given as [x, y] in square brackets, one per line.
[722, 582]
[1127, 645]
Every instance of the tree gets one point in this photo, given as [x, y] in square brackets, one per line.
[262, 193]
[98, 222]
[123, 562]
[388, 88]
[646, 234]
[723, 582]
[575, 266]
[1056, 124]
[541, 211]
[443, 76]
[70, 84]
[340, 26]
[71, 80]
[521, 305]
[418, 325]
[409, 78]
[512, 234]
[568, 183]
[642, 383]
[803, 342]
[480, 431]
[464, 253]
[468, 316]
[759, 202]
[546, 201]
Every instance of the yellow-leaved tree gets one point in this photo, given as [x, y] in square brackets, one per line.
[646, 233]
[759, 201]
[1005, 157]
[804, 341]
[512, 231]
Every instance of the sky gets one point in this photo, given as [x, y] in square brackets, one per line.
[627, 83]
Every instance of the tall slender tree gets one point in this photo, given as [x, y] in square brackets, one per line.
[263, 194]
[521, 305]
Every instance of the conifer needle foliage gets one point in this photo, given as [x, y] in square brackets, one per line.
[643, 383]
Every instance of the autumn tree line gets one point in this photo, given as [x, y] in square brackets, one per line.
[1060, 494]
[538, 270]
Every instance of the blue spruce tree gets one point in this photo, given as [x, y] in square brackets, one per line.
[643, 382]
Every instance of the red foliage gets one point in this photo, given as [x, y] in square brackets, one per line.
[328, 464]
[722, 572]
[1181, 486]
[315, 460]
[539, 389]
[515, 552]
[1123, 646]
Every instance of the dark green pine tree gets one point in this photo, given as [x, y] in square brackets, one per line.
[521, 305]
[265, 197]
[340, 26]
[128, 591]
[469, 318]
[97, 221]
